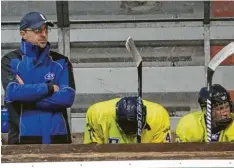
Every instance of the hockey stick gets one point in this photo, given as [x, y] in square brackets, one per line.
[131, 47]
[212, 65]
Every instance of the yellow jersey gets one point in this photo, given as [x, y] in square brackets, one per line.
[192, 128]
[101, 126]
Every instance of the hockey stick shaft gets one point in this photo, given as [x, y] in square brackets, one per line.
[209, 104]
[139, 71]
[139, 109]
[131, 47]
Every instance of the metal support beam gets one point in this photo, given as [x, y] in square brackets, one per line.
[63, 24]
[206, 12]
[64, 41]
[62, 14]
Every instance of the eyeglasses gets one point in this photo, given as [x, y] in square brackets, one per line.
[39, 30]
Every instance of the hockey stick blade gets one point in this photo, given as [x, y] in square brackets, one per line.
[221, 56]
[131, 47]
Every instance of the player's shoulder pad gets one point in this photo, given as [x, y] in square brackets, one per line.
[156, 112]
[191, 117]
[154, 106]
[103, 108]
[193, 114]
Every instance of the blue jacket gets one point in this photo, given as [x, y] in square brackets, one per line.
[36, 113]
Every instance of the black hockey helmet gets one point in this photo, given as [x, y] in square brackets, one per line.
[220, 96]
[126, 114]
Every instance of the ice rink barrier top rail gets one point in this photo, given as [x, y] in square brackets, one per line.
[107, 152]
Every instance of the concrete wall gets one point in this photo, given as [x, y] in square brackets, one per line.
[116, 32]
[155, 79]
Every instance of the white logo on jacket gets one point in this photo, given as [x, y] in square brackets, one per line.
[49, 76]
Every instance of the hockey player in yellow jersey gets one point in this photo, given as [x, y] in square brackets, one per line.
[192, 127]
[115, 121]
